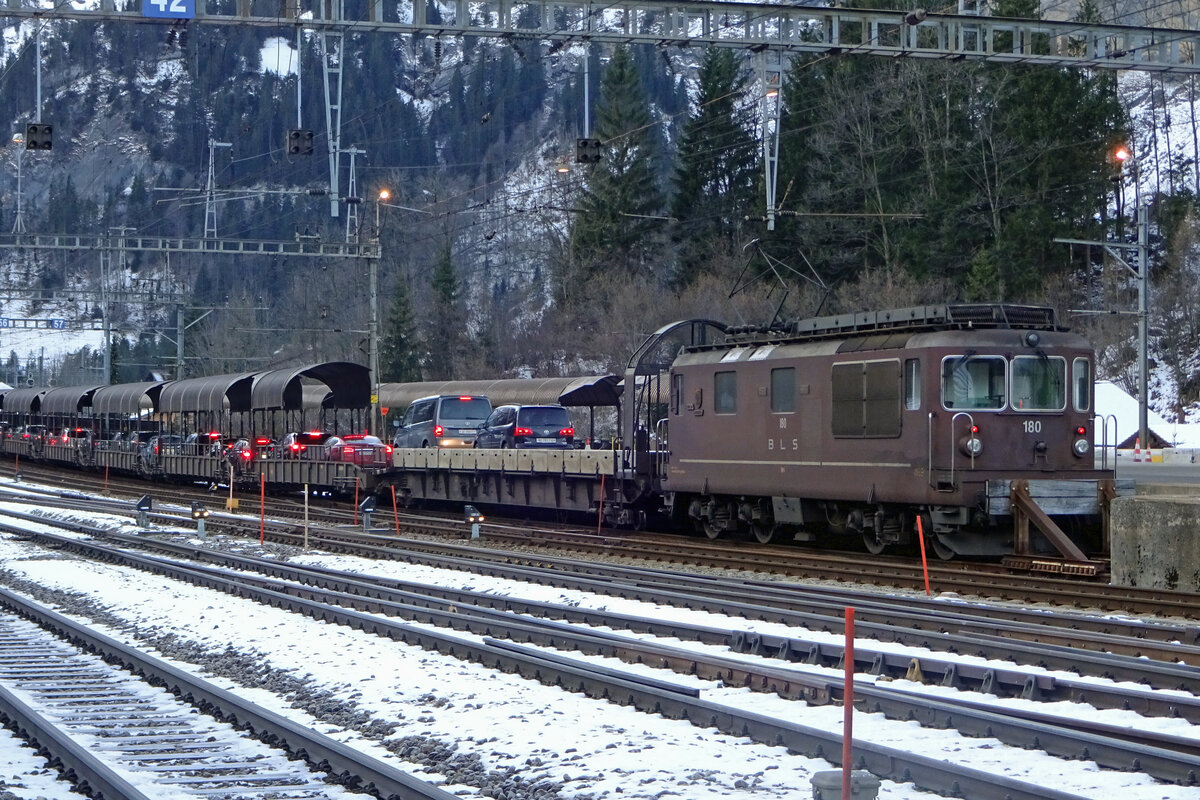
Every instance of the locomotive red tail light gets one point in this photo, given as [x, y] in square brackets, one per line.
[1080, 431]
[437, 430]
[522, 432]
[974, 429]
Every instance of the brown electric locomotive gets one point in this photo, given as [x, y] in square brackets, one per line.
[974, 422]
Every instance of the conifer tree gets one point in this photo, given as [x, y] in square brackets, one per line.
[715, 180]
[400, 359]
[446, 321]
[614, 232]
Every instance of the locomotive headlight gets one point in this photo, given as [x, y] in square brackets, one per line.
[973, 446]
[1082, 447]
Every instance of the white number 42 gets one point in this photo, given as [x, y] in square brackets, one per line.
[174, 6]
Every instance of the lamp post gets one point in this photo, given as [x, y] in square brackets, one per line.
[1123, 155]
[373, 325]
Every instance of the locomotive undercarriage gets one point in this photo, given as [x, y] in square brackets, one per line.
[949, 531]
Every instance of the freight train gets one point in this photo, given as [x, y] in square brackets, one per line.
[971, 427]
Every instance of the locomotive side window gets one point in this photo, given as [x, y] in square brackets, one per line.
[912, 384]
[866, 399]
[725, 393]
[974, 382]
[1081, 372]
[783, 390]
[1039, 383]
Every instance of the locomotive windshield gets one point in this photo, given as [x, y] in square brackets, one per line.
[1039, 383]
[974, 382]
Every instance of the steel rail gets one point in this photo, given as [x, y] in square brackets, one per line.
[1052, 734]
[352, 768]
[87, 774]
[928, 773]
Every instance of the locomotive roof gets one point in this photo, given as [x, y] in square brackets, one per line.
[955, 316]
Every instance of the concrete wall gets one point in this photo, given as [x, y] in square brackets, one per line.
[1156, 541]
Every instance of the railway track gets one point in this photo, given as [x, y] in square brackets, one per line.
[117, 737]
[765, 563]
[1167, 758]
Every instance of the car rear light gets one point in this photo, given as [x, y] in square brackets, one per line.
[214, 435]
[567, 432]
[262, 440]
[295, 447]
[246, 454]
[437, 431]
[522, 432]
[465, 397]
[387, 448]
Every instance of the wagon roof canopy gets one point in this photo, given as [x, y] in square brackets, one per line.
[217, 393]
[127, 398]
[346, 385]
[596, 390]
[68, 399]
[24, 401]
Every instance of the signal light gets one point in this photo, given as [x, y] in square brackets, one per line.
[300, 142]
[38, 136]
[199, 511]
[587, 151]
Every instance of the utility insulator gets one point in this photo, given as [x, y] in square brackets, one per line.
[587, 151]
[300, 142]
[38, 136]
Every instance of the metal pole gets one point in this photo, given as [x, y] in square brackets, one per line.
[374, 347]
[179, 342]
[1143, 325]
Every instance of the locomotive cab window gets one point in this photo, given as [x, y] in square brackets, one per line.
[1081, 374]
[783, 390]
[974, 382]
[725, 393]
[1039, 383]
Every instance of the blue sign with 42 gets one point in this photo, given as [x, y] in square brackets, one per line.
[169, 9]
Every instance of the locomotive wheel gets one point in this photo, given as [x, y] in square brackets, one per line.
[872, 543]
[940, 549]
[711, 530]
[764, 532]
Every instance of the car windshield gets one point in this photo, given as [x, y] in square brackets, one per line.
[544, 417]
[471, 409]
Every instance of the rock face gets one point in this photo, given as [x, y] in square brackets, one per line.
[1155, 542]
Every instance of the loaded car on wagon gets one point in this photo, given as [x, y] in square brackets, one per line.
[546, 426]
[442, 421]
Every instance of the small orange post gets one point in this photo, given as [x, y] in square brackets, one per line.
[848, 703]
[924, 563]
[395, 511]
[262, 507]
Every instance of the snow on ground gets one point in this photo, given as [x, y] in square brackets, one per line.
[585, 748]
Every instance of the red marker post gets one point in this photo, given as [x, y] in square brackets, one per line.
[848, 704]
[924, 563]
